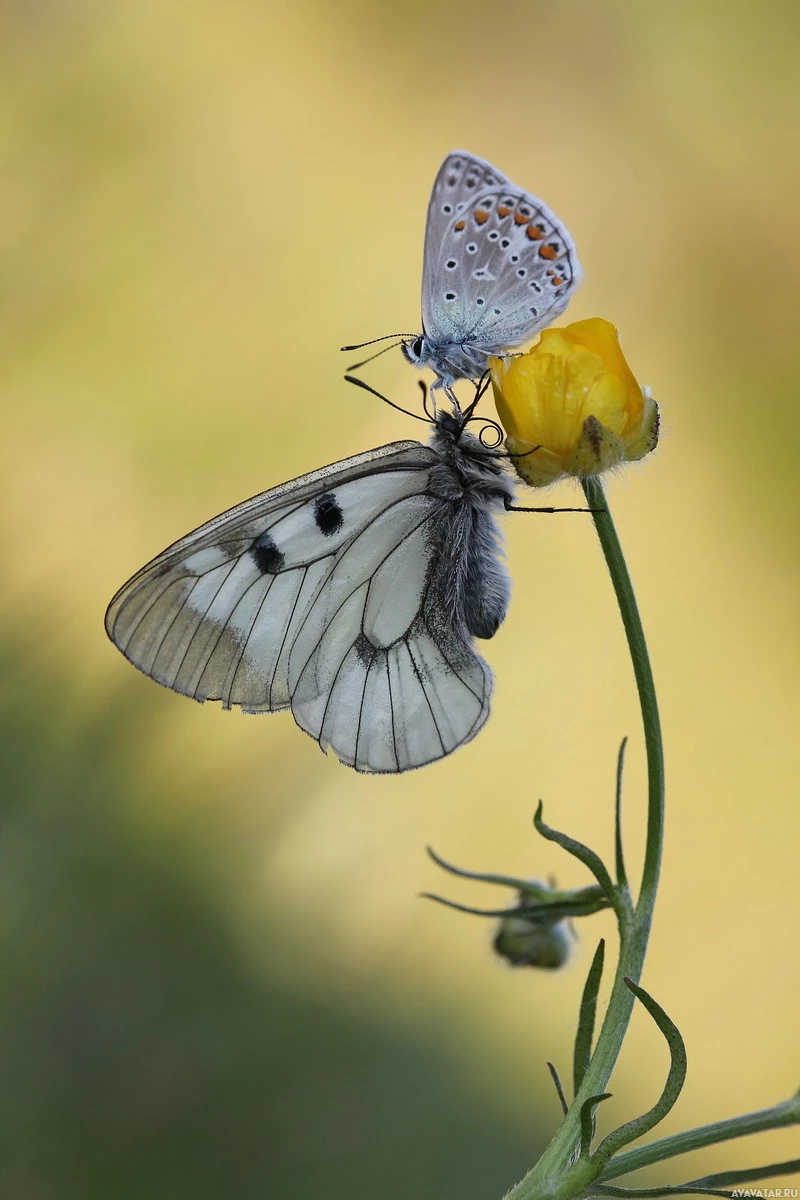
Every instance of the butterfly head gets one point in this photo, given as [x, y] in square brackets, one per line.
[448, 360]
[414, 350]
[450, 424]
[462, 445]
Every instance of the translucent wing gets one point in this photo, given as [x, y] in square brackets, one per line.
[323, 595]
[498, 265]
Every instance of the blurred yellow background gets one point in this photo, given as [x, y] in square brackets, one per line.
[217, 979]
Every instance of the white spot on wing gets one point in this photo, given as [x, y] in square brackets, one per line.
[205, 560]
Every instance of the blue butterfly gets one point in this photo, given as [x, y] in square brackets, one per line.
[498, 267]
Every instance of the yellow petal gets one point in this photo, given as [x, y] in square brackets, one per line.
[574, 397]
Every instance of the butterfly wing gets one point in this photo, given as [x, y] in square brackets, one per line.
[461, 178]
[323, 595]
[498, 264]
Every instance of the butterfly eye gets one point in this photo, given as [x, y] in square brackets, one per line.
[416, 347]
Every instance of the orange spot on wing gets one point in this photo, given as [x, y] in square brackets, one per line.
[557, 280]
[503, 210]
[535, 232]
[481, 216]
[549, 251]
[519, 219]
[459, 225]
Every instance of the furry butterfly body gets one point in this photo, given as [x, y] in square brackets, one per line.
[351, 595]
[498, 267]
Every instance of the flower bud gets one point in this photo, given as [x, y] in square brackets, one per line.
[571, 405]
[533, 941]
[526, 943]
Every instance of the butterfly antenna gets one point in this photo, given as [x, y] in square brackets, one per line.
[480, 392]
[430, 414]
[385, 338]
[523, 453]
[377, 354]
[486, 422]
[360, 383]
[374, 340]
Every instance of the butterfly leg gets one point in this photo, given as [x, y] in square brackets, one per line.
[517, 508]
[447, 388]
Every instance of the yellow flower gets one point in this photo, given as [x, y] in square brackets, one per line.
[574, 397]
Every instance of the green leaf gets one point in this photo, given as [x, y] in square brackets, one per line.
[586, 1017]
[584, 855]
[481, 912]
[557, 1081]
[558, 910]
[603, 1189]
[672, 1088]
[587, 1121]
[622, 878]
[744, 1175]
[537, 890]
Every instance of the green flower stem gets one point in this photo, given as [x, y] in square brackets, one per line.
[554, 1177]
[787, 1113]
[642, 670]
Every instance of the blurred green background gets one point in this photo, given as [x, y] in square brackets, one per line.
[216, 978]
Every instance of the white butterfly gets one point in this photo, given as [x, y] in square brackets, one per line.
[351, 595]
[498, 266]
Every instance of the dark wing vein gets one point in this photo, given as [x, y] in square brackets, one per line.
[391, 712]
[361, 707]
[342, 661]
[425, 694]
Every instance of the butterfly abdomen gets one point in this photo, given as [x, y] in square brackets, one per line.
[472, 481]
[473, 585]
[485, 586]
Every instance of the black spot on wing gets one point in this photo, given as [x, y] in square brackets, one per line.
[364, 649]
[266, 555]
[328, 514]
